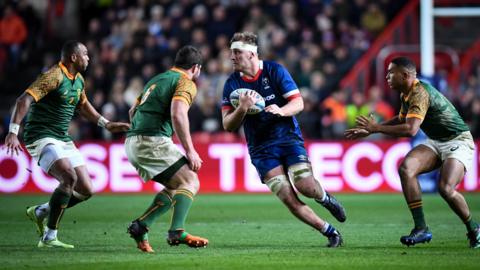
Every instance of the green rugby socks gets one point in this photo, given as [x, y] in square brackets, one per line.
[161, 203]
[182, 201]
[58, 203]
[416, 207]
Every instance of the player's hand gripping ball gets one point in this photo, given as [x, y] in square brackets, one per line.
[255, 108]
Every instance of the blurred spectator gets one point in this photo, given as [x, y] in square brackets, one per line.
[134, 88]
[13, 33]
[373, 20]
[358, 107]
[220, 24]
[205, 115]
[334, 119]
[317, 85]
[381, 110]
[309, 118]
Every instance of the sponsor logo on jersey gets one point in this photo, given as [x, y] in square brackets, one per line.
[265, 83]
[270, 97]
[453, 148]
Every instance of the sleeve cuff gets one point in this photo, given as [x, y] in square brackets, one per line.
[31, 93]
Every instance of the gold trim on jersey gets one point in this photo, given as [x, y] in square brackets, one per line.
[31, 92]
[65, 70]
[184, 99]
[414, 115]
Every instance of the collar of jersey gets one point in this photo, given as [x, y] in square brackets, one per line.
[260, 65]
[179, 71]
[410, 91]
[65, 70]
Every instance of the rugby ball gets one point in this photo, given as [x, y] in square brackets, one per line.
[255, 108]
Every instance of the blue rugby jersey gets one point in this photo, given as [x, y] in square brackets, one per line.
[276, 86]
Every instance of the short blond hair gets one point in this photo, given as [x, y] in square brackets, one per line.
[245, 37]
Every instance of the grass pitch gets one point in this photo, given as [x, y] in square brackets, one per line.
[245, 232]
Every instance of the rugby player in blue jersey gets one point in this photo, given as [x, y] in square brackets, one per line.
[274, 139]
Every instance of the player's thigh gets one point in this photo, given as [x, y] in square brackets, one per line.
[420, 159]
[299, 168]
[84, 182]
[63, 171]
[451, 173]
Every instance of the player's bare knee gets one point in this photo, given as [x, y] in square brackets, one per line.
[188, 179]
[446, 190]
[309, 187]
[406, 171]
[194, 184]
[68, 179]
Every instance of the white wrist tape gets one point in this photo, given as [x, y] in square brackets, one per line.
[14, 128]
[243, 46]
[102, 122]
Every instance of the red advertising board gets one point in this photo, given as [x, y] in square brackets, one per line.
[365, 166]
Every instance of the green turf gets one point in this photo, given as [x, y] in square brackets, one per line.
[245, 231]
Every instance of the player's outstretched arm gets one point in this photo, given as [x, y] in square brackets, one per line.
[19, 111]
[86, 110]
[393, 121]
[407, 128]
[181, 125]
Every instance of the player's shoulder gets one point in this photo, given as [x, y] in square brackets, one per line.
[420, 93]
[271, 65]
[55, 69]
[274, 69]
[53, 73]
[185, 83]
[422, 88]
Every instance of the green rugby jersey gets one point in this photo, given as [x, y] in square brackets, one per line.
[441, 120]
[56, 93]
[152, 116]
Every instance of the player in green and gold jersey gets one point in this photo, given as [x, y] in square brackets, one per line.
[161, 109]
[449, 147]
[50, 102]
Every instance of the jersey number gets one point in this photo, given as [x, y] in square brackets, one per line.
[145, 96]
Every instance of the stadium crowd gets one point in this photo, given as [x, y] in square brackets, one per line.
[130, 41]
